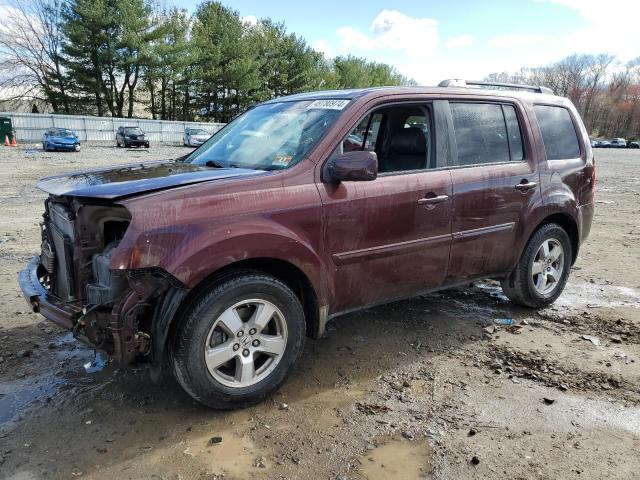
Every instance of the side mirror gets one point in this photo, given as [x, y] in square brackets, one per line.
[355, 166]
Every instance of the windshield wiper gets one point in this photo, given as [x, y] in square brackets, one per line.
[214, 164]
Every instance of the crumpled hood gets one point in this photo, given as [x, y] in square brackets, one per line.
[136, 178]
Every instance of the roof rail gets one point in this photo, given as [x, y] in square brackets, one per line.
[458, 82]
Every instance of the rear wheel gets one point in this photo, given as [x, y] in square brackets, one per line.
[237, 342]
[543, 270]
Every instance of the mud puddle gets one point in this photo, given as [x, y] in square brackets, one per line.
[18, 395]
[398, 458]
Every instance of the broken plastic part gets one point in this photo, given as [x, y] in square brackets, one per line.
[97, 365]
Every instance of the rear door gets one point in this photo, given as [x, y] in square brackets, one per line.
[389, 238]
[495, 183]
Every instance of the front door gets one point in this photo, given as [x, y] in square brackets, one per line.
[389, 238]
[495, 182]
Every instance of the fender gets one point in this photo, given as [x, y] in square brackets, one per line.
[559, 201]
[193, 253]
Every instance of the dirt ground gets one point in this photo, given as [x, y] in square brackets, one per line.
[426, 388]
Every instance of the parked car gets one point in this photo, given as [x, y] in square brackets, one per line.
[194, 137]
[634, 144]
[131, 137]
[594, 143]
[618, 143]
[60, 139]
[221, 263]
[604, 144]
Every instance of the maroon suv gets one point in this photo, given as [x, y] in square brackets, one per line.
[220, 263]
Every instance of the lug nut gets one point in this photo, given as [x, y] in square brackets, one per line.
[252, 331]
[236, 346]
[255, 343]
[240, 333]
[245, 353]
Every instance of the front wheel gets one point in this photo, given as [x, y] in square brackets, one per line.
[237, 342]
[543, 270]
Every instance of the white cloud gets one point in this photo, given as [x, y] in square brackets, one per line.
[461, 41]
[517, 40]
[395, 31]
[323, 47]
[250, 19]
[611, 27]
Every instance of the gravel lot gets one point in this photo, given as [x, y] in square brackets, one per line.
[425, 388]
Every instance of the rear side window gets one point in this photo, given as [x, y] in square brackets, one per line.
[513, 130]
[558, 133]
[486, 133]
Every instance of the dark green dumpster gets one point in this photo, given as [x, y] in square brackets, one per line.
[6, 128]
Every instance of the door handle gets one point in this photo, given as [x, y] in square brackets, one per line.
[433, 200]
[524, 186]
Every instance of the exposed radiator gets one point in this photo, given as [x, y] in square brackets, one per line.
[61, 236]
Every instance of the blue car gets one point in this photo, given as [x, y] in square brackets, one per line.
[60, 139]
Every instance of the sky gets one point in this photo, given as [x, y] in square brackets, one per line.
[432, 40]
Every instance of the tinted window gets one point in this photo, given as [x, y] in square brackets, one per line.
[559, 135]
[481, 133]
[513, 130]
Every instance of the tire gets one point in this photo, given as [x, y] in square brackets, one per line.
[200, 327]
[526, 288]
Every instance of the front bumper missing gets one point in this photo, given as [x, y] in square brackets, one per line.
[53, 309]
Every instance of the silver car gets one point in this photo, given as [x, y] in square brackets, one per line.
[194, 137]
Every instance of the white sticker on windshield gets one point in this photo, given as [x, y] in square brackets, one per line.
[328, 104]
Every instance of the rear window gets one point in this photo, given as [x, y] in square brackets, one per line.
[486, 133]
[558, 133]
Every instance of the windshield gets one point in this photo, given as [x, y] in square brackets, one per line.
[272, 136]
[60, 132]
[133, 131]
[198, 131]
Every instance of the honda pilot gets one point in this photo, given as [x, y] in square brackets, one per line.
[219, 264]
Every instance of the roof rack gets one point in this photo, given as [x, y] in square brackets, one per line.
[458, 82]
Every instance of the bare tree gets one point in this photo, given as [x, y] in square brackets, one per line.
[30, 48]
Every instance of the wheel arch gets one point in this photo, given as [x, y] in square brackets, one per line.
[285, 271]
[569, 224]
[288, 273]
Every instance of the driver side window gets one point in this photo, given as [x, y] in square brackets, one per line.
[364, 135]
[400, 135]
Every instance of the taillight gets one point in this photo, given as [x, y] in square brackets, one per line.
[593, 178]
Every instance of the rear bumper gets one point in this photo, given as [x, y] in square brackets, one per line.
[586, 218]
[40, 301]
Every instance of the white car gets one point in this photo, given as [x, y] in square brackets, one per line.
[194, 137]
[618, 143]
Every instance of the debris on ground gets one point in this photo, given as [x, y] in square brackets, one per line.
[372, 408]
[593, 339]
[96, 365]
[503, 321]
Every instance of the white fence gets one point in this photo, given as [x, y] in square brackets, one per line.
[29, 127]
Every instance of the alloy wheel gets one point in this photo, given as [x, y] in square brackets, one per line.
[246, 343]
[548, 266]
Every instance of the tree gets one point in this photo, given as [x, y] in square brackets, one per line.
[105, 50]
[30, 48]
[168, 70]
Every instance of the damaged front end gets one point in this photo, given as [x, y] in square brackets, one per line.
[123, 313]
